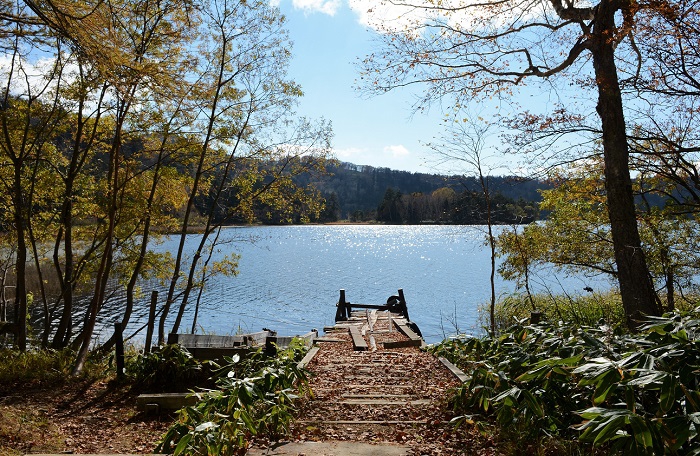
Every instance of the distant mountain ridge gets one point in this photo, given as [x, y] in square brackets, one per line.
[363, 187]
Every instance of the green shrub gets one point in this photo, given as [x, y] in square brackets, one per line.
[632, 394]
[46, 366]
[592, 309]
[255, 397]
[170, 368]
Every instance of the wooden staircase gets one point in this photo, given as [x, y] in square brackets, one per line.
[372, 384]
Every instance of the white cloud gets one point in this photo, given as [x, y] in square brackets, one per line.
[384, 16]
[397, 151]
[329, 7]
[350, 154]
[360, 155]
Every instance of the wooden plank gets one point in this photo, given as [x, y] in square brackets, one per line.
[307, 359]
[214, 341]
[327, 339]
[408, 332]
[204, 340]
[330, 329]
[165, 401]
[358, 341]
[403, 344]
[369, 306]
[218, 353]
[384, 402]
[456, 371]
[257, 338]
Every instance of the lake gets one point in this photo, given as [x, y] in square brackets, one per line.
[290, 277]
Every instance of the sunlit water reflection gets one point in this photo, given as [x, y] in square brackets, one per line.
[290, 277]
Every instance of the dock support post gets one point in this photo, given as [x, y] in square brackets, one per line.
[342, 313]
[402, 304]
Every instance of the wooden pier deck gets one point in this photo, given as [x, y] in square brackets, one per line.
[374, 391]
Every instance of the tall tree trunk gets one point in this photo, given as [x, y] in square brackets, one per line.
[62, 335]
[492, 246]
[104, 270]
[143, 250]
[82, 144]
[20, 263]
[218, 88]
[636, 288]
[210, 227]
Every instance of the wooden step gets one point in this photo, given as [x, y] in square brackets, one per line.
[308, 357]
[163, 402]
[376, 396]
[403, 343]
[358, 342]
[359, 422]
[384, 402]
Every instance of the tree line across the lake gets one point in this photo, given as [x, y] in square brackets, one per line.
[355, 193]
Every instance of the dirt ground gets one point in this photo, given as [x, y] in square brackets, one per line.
[75, 417]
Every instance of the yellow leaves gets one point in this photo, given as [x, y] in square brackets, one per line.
[228, 266]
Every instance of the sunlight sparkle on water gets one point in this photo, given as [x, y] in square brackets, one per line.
[290, 276]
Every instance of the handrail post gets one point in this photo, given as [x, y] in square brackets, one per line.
[119, 349]
[151, 322]
[402, 303]
[341, 312]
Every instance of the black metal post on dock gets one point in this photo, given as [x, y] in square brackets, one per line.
[402, 305]
[342, 313]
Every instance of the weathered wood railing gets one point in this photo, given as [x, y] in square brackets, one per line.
[396, 304]
[216, 347]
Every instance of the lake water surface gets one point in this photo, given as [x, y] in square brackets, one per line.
[290, 277]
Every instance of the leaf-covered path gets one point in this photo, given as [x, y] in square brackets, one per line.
[390, 399]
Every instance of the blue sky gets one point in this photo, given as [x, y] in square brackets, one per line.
[329, 37]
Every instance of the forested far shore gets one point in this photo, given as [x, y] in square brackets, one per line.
[355, 193]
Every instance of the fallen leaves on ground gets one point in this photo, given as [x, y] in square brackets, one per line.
[75, 416]
[409, 389]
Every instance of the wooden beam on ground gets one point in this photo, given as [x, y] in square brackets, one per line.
[358, 341]
[408, 332]
[328, 339]
[165, 402]
[456, 371]
[403, 344]
[309, 356]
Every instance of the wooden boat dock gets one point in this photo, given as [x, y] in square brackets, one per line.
[374, 391]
